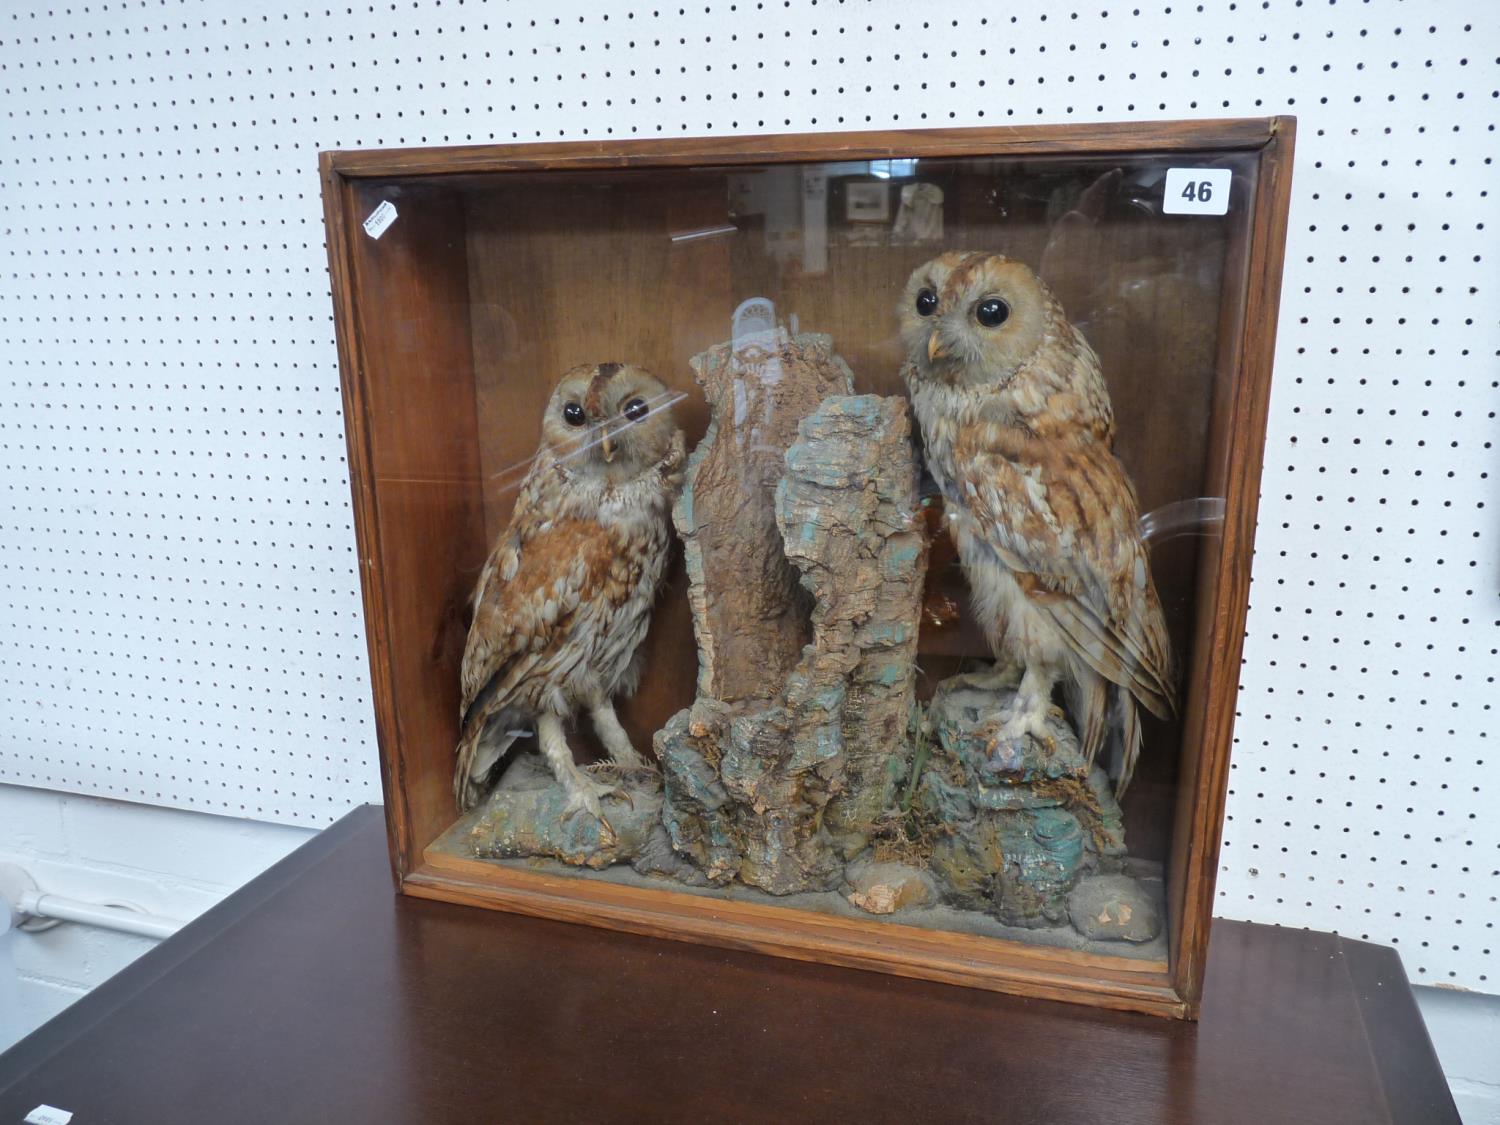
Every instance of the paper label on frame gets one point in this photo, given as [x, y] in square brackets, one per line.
[1196, 191]
[48, 1115]
[380, 219]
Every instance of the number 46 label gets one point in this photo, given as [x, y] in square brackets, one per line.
[1196, 191]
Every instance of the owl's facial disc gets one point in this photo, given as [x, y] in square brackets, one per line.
[631, 417]
[631, 409]
[930, 318]
[989, 313]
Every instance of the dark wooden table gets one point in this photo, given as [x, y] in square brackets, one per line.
[315, 994]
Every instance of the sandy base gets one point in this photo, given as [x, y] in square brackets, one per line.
[454, 843]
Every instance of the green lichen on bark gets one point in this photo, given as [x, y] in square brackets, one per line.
[780, 789]
[1015, 832]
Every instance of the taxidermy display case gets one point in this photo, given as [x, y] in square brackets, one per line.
[835, 546]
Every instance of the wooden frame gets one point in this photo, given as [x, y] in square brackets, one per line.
[416, 510]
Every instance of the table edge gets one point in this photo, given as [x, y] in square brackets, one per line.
[33, 1050]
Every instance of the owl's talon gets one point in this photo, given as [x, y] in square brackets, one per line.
[607, 836]
[584, 795]
[616, 773]
[1015, 724]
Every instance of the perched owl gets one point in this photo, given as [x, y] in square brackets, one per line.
[1018, 430]
[564, 599]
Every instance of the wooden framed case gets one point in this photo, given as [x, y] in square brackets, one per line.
[504, 265]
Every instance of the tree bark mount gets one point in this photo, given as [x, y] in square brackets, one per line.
[806, 557]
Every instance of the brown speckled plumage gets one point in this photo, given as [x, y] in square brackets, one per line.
[1017, 427]
[565, 597]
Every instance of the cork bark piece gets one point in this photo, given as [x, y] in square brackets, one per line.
[780, 779]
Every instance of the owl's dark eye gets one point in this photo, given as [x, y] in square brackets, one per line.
[573, 414]
[992, 312]
[926, 302]
[636, 409]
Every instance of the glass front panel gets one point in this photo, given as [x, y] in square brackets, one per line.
[832, 532]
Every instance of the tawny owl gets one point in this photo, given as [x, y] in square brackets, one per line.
[564, 600]
[1018, 429]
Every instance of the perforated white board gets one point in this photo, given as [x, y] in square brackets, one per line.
[179, 604]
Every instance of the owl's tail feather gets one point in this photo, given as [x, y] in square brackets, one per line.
[1138, 662]
[485, 739]
[1088, 702]
[1130, 739]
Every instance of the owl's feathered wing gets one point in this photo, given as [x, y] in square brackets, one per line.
[1061, 516]
[545, 597]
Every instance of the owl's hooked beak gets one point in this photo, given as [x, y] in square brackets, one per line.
[935, 349]
[606, 446]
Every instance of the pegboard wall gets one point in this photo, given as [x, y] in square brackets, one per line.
[179, 601]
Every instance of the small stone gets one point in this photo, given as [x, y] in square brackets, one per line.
[884, 888]
[1113, 908]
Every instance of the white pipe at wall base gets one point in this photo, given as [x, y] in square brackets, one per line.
[93, 914]
[21, 902]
